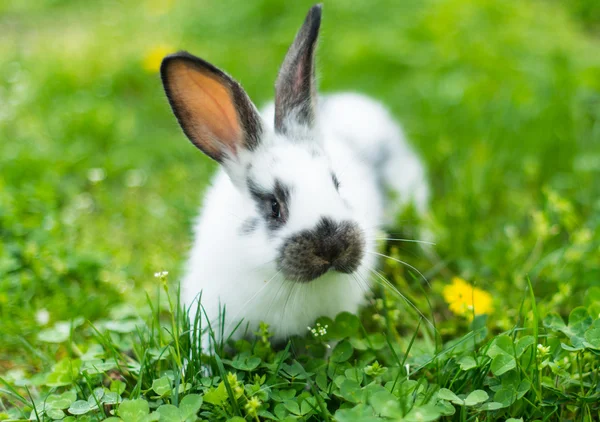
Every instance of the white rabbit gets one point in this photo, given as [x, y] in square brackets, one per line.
[287, 231]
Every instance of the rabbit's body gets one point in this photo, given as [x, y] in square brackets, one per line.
[233, 263]
[287, 231]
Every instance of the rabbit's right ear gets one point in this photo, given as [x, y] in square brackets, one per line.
[213, 109]
[295, 89]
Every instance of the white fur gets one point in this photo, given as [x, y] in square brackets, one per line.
[364, 147]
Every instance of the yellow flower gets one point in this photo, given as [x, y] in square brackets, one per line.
[466, 300]
[252, 406]
[154, 56]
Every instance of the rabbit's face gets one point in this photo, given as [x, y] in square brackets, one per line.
[300, 207]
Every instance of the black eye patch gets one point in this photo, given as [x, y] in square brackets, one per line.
[267, 199]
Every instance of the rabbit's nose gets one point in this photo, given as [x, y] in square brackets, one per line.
[339, 245]
[330, 245]
[332, 248]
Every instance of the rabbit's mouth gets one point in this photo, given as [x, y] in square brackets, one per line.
[308, 254]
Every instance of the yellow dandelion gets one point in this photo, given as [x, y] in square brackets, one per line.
[466, 300]
[154, 56]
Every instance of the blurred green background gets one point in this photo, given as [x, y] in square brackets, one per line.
[98, 186]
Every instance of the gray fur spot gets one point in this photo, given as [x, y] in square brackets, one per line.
[249, 226]
[330, 245]
[336, 181]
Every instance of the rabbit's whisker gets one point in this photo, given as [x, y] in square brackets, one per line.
[425, 242]
[243, 307]
[388, 284]
[404, 263]
[362, 284]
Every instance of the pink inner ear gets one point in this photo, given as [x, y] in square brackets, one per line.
[207, 109]
[299, 79]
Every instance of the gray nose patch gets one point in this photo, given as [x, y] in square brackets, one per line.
[309, 254]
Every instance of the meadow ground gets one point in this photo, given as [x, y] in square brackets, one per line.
[98, 188]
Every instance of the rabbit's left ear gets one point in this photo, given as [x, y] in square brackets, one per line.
[295, 89]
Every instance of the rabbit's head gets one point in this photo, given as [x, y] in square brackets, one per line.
[282, 169]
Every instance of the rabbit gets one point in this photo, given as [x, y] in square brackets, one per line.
[288, 228]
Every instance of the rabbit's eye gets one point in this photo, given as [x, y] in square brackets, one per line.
[275, 209]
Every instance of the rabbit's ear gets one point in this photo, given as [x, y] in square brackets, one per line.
[295, 89]
[213, 110]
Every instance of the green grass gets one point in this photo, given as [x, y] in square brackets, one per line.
[98, 189]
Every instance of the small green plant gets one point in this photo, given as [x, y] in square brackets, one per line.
[138, 370]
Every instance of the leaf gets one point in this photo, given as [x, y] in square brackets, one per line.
[80, 407]
[592, 335]
[122, 326]
[351, 391]
[445, 408]
[446, 394]
[118, 386]
[245, 362]
[64, 373]
[190, 405]
[283, 395]
[55, 413]
[505, 396]
[292, 407]
[216, 396]
[554, 322]
[478, 326]
[61, 331]
[98, 366]
[377, 341]
[359, 413]
[523, 388]
[476, 397]
[579, 321]
[62, 401]
[111, 398]
[502, 363]
[510, 380]
[522, 345]
[423, 414]
[161, 386]
[96, 396]
[354, 373]
[491, 405]
[386, 404]
[169, 413]
[57, 334]
[346, 325]
[134, 410]
[467, 362]
[342, 352]
[501, 345]
[280, 411]
[571, 348]
[307, 405]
